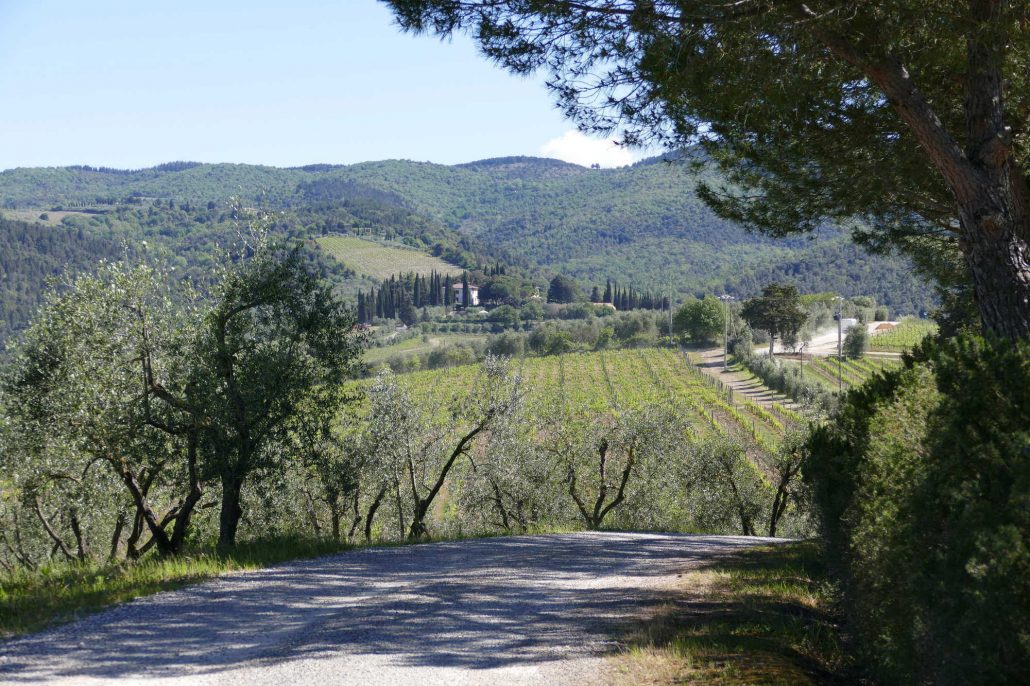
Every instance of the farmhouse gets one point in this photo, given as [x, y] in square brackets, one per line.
[459, 294]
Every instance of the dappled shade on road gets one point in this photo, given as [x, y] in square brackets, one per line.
[479, 606]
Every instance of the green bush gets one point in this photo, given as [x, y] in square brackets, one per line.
[856, 342]
[922, 480]
[790, 382]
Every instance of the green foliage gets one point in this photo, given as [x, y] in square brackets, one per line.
[30, 254]
[562, 289]
[127, 392]
[275, 334]
[649, 231]
[700, 321]
[922, 488]
[851, 115]
[778, 311]
[856, 342]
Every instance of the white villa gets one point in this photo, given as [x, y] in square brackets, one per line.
[459, 293]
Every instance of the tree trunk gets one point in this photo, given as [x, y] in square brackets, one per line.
[182, 519]
[81, 546]
[59, 544]
[400, 510]
[116, 536]
[779, 506]
[357, 517]
[334, 516]
[316, 526]
[372, 513]
[232, 510]
[998, 256]
[139, 496]
[994, 201]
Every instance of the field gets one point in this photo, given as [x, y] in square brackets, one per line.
[605, 381]
[54, 217]
[380, 261]
[824, 370]
[416, 346]
[908, 334]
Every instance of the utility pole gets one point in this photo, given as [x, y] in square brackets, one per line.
[725, 328]
[803, 360]
[840, 344]
[671, 342]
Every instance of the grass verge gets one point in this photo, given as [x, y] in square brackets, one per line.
[30, 601]
[760, 617]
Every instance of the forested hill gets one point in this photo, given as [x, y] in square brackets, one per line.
[641, 225]
[30, 254]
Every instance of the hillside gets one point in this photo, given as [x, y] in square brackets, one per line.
[642, 226]
[30, 254]
[380, 261]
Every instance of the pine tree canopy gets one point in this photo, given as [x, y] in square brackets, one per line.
[909, 116]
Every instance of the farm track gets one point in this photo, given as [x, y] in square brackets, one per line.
[744, 384]
[518, 610]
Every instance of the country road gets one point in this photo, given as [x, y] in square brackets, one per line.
[518, 610]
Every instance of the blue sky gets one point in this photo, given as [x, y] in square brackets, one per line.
[132, 84]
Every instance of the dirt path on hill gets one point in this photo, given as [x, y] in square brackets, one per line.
[744, 384]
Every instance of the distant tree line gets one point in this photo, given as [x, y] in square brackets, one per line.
[628, 298]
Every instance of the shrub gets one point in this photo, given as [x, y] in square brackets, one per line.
[922, 480]
[789, 382]
[856, 342]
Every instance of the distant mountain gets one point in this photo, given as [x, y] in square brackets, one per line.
[641, 225]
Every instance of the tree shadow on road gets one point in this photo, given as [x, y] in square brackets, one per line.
[475, 604]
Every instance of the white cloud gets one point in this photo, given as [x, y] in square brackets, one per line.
[573, 146]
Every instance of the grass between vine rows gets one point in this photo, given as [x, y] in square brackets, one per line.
[764, 616]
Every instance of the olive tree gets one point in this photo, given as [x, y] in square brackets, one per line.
[607, 461]
[416, 450]
[274, 335]
[91, 388]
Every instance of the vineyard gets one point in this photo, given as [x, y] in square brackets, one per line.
[380, 261]
[907, 335]
[605, 382]
[825, 370]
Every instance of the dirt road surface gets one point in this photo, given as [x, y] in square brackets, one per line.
[519, 610]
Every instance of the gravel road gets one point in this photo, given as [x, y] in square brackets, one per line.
[520, 610]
